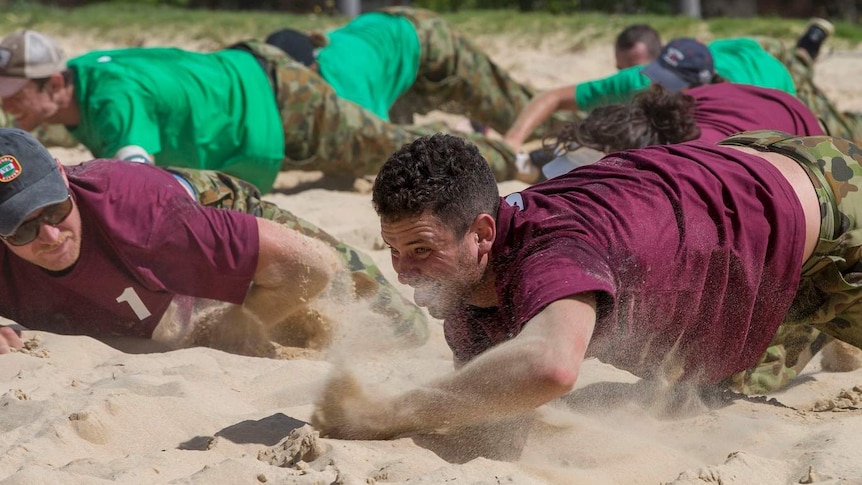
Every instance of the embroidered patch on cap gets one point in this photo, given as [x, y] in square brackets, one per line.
[10, 169]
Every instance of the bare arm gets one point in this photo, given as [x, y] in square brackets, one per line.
[291, 270]
[537, 111]
[540, 364]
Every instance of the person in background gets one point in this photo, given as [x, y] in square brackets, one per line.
[249, 111]
[683, 63]
[636, 45]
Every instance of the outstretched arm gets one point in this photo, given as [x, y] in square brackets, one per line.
[540, 364]
[538, 111]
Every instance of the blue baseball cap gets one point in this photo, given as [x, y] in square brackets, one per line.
[682, 63]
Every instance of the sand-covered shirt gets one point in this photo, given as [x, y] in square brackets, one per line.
[213, 111]
[372, 60]
[725, 109]
[739, 60]
[144, 240]
[694, 251]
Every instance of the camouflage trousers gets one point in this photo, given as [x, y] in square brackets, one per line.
[843, 124]
[338, 137]
[828, 302]
[455, 76]
[222, 191]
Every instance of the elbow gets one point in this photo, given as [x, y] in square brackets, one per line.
[316, 280]
[550, 378]
[556, 380]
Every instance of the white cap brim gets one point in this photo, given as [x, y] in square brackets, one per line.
[11, 85]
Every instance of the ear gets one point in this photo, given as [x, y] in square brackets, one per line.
[485, 228]
[55, 84]
[56, 81]
[62, 171]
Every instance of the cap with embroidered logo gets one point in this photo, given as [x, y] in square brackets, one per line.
[30, 178]
[27, 54]
[682, 63]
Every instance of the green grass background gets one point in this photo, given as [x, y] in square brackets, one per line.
[137, 24]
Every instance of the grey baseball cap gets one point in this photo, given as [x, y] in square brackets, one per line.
[27, 54]
[30, 178]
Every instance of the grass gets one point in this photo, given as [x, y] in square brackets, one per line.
[133, 24]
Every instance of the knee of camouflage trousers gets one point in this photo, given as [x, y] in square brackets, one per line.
[790, 351]
[215, 189]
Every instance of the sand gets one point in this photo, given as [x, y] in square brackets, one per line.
[74, 410]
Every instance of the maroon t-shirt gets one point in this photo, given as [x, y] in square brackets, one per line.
[694, 251]
[144, 241]
[725, 109]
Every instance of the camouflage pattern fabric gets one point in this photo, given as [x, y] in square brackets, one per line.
[222, 191]
[828, 303]
[338, 137]
[455, 76]
[843, 124]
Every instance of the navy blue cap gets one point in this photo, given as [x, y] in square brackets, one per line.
[682, 63]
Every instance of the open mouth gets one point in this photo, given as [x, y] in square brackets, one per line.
[424, 294]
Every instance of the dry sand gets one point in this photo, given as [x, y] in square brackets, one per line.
[74, 410]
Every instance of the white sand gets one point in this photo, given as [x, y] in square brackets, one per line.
[76, 411]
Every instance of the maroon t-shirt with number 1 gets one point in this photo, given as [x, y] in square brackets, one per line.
[144, 241]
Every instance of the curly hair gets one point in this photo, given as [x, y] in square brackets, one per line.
[653, 117]
[441, 174]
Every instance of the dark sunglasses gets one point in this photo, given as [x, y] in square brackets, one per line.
[51, 215]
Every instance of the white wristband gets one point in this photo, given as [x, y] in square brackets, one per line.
[134, 153]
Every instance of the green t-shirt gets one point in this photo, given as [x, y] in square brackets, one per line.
[372, 60]
[213, 111]
[739, 60]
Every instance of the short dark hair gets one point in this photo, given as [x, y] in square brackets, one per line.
[68, 77]
[656, 116]
[295, 44]
[441, 174]
[631, 35]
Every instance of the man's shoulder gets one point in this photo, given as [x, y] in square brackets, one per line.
[125, 179]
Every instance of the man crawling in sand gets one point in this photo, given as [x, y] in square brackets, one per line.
[677, 263]
[113, 248]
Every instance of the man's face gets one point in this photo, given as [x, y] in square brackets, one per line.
[30, 106]
[636, 56]
[443, 269]
[56, 247]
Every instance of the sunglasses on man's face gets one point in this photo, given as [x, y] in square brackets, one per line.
[51, 215]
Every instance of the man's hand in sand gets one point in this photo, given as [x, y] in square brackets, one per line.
[9, 339]
[344, 410]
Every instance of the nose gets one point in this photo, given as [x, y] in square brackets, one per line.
[49, 234]
[406, 271]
